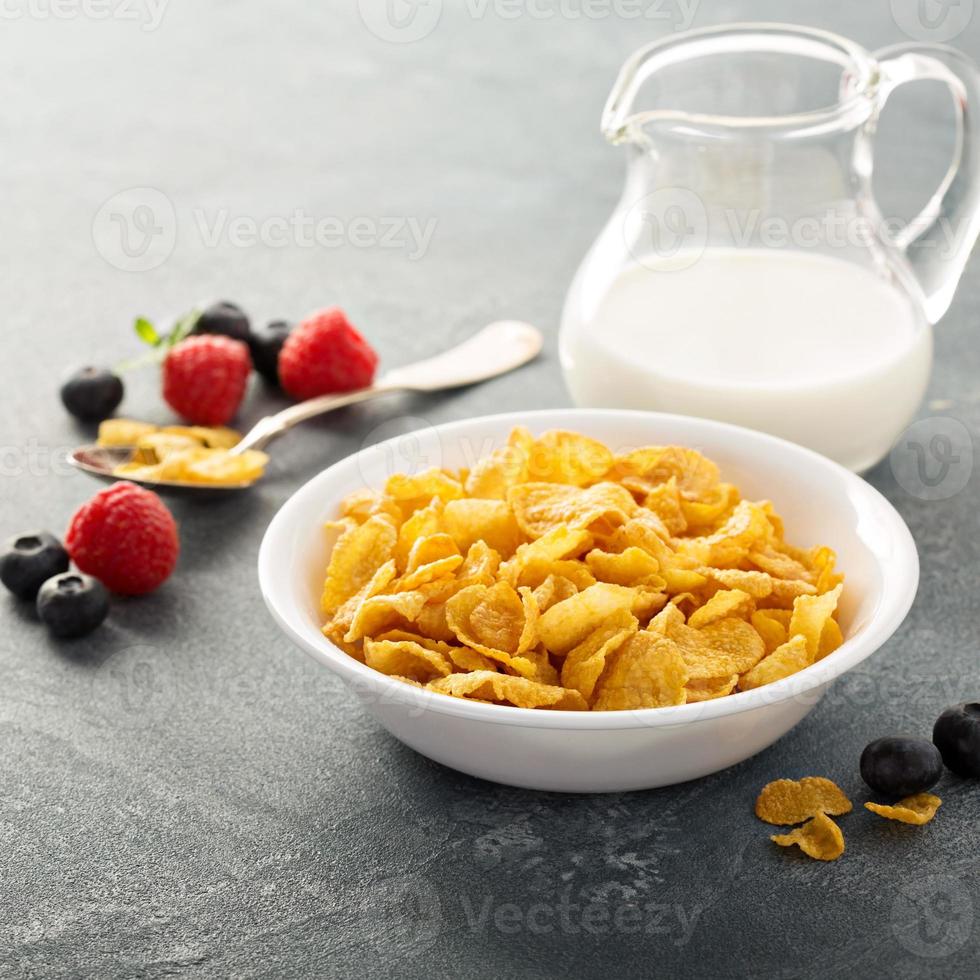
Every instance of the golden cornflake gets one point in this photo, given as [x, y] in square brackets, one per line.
[405, 658]
[810, 615]
[756, 584]
[428, 484]
[490, 521]
[728, 602]
[484, 685]
[495, 474]
[709, 688]
[629, 567]
[568, 623]
[917, 810]
[568, 457]
[791, 801]
[380, 612]
[539, 507]
[426, 521]
[647, 671]
[783, 662]
[555, 588]
[830, 639]
[772, 631]
[123, 432]
[819, 838]
[358, 553]
[585, 663]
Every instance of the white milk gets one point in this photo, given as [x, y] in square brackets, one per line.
[817, 350]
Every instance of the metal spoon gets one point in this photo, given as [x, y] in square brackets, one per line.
[496, 349]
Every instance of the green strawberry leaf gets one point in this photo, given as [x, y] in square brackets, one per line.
[160, 345]
[147, 332]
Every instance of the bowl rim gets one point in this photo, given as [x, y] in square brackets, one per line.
[899, 583]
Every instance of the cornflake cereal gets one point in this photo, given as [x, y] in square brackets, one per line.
[788, 801]
[918, 809]
[819, 838]
[556, 574]
[186, 454]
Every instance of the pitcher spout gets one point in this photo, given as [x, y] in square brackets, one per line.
[686, 102]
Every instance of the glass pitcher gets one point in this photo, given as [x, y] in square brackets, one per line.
[747, 273]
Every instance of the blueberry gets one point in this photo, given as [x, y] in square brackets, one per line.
[92, 393]
[226, 319]
[957, 736]
[901, 765]
[265, 346]
[29, 560]
[72, 604]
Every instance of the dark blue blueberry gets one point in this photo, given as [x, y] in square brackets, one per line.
[226, 319]
[957, 736]
[901, 765]
[72, 604]
[92, 394]
[29, 560]
[265, 346]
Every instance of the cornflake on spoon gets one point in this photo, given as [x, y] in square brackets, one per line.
[186, 454]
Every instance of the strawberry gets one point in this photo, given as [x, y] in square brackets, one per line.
[325, 354]
[204, 378]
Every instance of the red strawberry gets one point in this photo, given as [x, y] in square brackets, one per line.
[204, 378]
[125, 537]
[325, 354]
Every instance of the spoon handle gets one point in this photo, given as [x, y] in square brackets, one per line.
[496, 349]
[272, 426]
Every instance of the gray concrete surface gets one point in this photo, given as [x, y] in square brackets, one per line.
[183, 794]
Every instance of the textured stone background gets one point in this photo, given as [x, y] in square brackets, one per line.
[183, 793]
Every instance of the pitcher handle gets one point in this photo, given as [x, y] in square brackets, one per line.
[938, 242]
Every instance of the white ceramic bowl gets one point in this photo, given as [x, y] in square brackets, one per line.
[821, 503]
